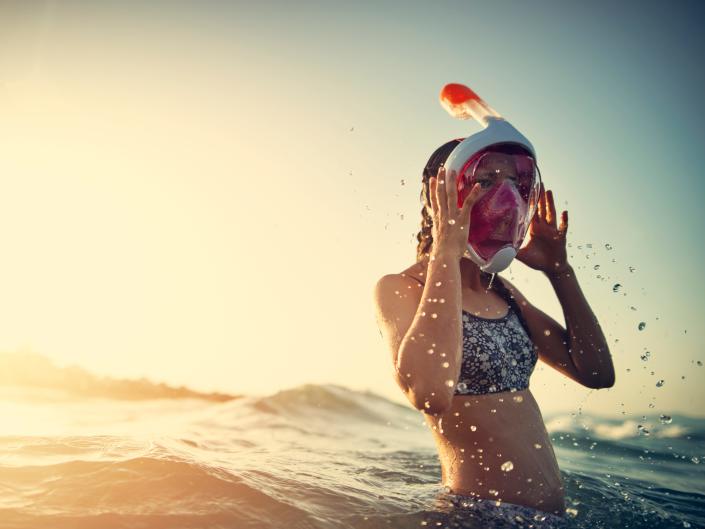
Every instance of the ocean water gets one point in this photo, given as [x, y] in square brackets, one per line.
[316, 456]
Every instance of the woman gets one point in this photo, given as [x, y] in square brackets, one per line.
[465, 342]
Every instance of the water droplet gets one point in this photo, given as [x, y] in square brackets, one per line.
[430, 351]
[402, 181]
[695, 460]
[473, 427]
[699, 363]
[596, 267]
[445, 364]
[631, 269]
[645, 356]
[616, 287]
[518, 398]
[642, 325]
[462, 387]
[571, 512]
[547, 332]
[659, 383]
[493, 410]
[442, 300]
[666, 419]
[507, 466]
[438, 283]
[451, 221]
[450, 383]
[427, 404]
[537, 446]
[642, 430]
[494, 492]
[608, 246]
[434, 315]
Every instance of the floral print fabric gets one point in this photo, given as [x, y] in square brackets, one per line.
[498, 355]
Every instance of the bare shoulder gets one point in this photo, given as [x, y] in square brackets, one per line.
[397, 297]
[537, 320]
[515, 293]
[532, 315]
[397, 293]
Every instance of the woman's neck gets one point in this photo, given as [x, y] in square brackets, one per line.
[471, 277]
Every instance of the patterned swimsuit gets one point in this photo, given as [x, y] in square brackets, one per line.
[498, 353]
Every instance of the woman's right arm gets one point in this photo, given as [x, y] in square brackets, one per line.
[425, 332]
[430, 353]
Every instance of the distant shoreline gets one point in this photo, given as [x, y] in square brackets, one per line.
[31, 370]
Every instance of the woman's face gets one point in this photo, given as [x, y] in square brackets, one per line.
[492, 169]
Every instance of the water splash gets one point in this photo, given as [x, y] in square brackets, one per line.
[507, 466]
[489, 286]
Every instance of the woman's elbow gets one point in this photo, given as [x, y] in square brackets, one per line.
[600, 383]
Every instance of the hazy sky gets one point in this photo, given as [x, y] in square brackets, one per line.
[205, 193]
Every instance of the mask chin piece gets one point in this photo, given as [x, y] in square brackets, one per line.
[500, 261]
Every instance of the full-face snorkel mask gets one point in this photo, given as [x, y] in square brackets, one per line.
[503, 162]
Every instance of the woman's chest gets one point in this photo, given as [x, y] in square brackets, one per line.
[496, 344]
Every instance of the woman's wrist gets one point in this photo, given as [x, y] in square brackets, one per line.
[565, 270]
[445, 251]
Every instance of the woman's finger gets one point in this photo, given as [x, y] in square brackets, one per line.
[432, 192]
[468, 203]
[542, 205]
[452, 193]
[441, 198]
[551, 213]
[563, 228]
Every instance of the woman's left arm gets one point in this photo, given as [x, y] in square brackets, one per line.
[581, 351]
[587, 346]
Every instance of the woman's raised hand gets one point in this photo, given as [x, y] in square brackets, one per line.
[450, 223]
